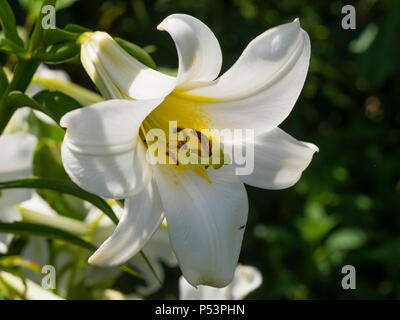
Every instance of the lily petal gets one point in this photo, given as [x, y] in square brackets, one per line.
[199, 53]
[141, 218]
[206, 217]
[8, 214]
[111, 67]
[246, 280]
[101, 152]
[16, 155]
[15, 162]
[279, 160]
[261, 88]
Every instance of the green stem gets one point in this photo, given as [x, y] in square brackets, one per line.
[37, 33]
[22, 77]
[153, 271]
[24, 71]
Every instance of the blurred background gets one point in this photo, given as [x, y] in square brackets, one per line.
[346, 208]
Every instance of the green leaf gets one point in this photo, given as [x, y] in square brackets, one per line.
[74, 28]
[136, 52]
[316, 223]
[53, 103]
[3, 81]
[128, 269]
[56, 104]
[33, 6]
[346, 239]
[7, 45]
[59, 53]
[62, 186]
[62, 4]
[57, 35]
[18, 261]
[47, 160]
[42, 129]
[153, 271]
[23, 74]
[71, 32]
[8, 25]
[17, 99]
[27, 229]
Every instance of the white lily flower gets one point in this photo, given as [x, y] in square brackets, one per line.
[15, 162]
[245, 280]
[206, 208]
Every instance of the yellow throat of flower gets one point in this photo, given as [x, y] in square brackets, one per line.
[190, 141]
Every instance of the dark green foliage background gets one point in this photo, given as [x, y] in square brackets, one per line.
[346, 208]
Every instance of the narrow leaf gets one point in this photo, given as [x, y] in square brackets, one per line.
[57, 35]
[56, 103]
[136, 52]
[153, 271]
[17, 99]
[128, 269]
[53, 103]
[76, 28]
[18, 261]
[62, 186]
[33, 6]
[3, 81]
[26, 229]
[62, 4]
[7, 45]
[59, 53]
[7, 21]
